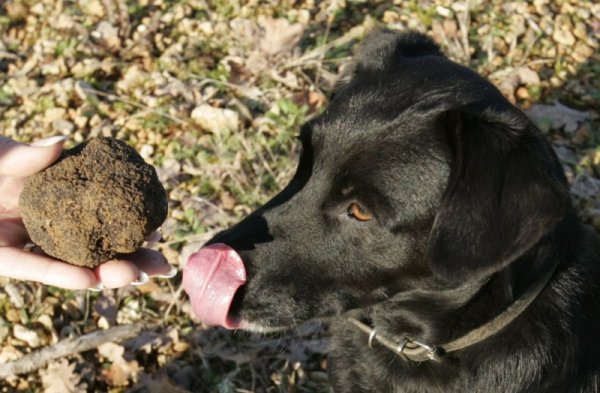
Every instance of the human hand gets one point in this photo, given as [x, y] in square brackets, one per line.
[17, 161]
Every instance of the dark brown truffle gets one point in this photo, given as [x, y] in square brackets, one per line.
[99, 200]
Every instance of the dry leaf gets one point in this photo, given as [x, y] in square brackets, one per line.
[509, 80]
[556, 116]
[60, 377]
[565, 154]
[121, 370]
[585, 186]
[112, 352]
[148, 340]
[312, 99]
[227, 200]
[279, 35]
[272, 40]
[9, 353]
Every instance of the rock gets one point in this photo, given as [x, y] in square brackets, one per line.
[580, 31]
[99, 200]
[557, 116]
[582, 53]
[81, 121]
[16, 11]
[562, 30]
[215, 119]
[133, 77]
[65, 22]
[29, 336]
[443, 11]
[63, 126]
[564, 37]
[585, 186]
[92, 8]
[38, 9]
[107, 35]
[146, 151]
[53, 114]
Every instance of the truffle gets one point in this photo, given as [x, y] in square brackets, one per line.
[100, 199]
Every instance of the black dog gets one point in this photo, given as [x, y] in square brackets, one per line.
[427, 207]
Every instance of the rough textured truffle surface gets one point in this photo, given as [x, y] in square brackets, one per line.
[99, 200]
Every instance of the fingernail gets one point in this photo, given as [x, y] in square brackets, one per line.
[53, 140]
[97, 288]
[154, 237]
[142, 279]
[172, 273]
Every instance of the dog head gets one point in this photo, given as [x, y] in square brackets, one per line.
[419, 174]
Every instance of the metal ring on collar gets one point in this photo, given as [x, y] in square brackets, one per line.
[433, 352]
[371, 337]
[402, 346]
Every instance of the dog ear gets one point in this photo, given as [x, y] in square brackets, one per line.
[382, 49]
[506, 191]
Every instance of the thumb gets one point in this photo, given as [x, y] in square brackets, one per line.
[18, 159]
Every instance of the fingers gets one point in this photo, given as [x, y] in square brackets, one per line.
[10, 190]
[37, 266]
[152, 263]
[117, 273]
[135, 269]
[12, 234]
[153, 237]
[17, 159]
[148, 260]
[24, 265]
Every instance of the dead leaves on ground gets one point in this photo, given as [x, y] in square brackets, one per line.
[557, 116]
[61, 377]
[120, 371]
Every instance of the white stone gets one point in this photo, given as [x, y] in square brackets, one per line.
[63, 126]
[215, 119]
[29, 336]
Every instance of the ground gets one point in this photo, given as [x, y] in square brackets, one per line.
[211, 93]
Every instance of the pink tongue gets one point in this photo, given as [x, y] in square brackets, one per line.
[211, 278]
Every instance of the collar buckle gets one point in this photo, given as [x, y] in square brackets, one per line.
[407, 348]
[432, 352]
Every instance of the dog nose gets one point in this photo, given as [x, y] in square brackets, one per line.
[211, 278]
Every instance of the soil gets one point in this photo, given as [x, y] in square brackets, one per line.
[99, 200]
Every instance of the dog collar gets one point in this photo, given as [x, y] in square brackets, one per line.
[416, 351]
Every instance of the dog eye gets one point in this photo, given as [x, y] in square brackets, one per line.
[358, 212]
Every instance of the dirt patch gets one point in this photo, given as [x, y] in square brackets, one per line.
[99, 200]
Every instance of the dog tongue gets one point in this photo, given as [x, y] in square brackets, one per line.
[211, 278]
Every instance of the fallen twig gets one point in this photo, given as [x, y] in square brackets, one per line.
[8, 55]
[40, 358]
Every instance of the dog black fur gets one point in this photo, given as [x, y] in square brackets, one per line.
[469, 206]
